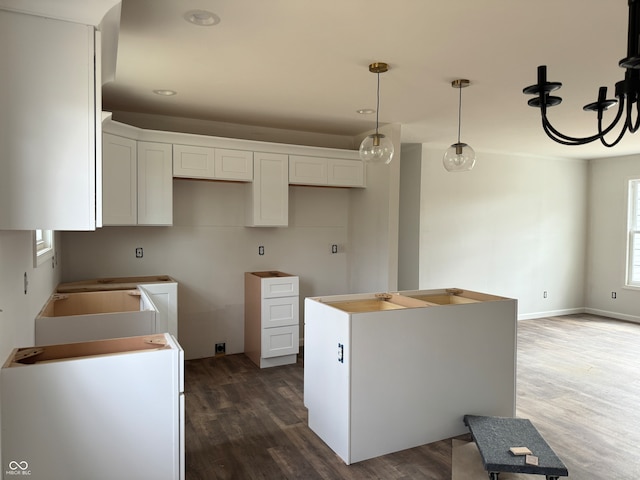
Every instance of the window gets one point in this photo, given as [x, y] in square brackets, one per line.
[43, 248]
[633, 252]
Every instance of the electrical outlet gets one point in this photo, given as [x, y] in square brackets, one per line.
[334, 248]
[544, 294]
[139, 252]
[221, 348]
[614, 295]
[261, 250]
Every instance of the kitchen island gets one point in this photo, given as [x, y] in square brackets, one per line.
[387, 372]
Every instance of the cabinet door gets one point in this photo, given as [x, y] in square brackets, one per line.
[155, 184]
[47, 124]
[345, 173]
[119, 181]
[193, 162]
[268, 202]
[307, 170]
[233, 165]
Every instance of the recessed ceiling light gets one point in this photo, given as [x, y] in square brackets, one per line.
[165, 93]
[366, 111]
[203, 18]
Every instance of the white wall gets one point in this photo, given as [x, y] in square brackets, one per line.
[607, 237]
[208, 249]
[513, 226]
[17, 309]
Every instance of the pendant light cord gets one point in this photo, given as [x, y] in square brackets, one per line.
[459, 111]
[378, 103]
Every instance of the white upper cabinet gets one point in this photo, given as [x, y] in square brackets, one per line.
[345, 173]
[333, 172]
[234, 165]
[137, 182]
[155, 184]
[49, 153]
[119, 180]
[190, 161]
[307, 170]
[268, 198]
[193, 162]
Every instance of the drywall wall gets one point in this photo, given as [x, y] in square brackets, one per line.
[208, 249]
[18, 309]
[513, 226]
[607, 238]
[409, 218]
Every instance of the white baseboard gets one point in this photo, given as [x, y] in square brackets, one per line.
[617, 316]
[551, 313]
[572, 311]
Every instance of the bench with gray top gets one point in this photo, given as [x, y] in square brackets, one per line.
[495, 436]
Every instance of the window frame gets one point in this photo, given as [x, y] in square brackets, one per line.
[633, 234]
[43, 247]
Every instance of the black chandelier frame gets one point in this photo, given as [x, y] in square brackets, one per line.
[627, 93]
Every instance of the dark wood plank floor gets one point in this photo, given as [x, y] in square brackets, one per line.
[578, 381]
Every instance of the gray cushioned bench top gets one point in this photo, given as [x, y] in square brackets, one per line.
[494, 436]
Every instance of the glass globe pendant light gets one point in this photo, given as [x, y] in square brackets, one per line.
[377, 148]
[459, 157]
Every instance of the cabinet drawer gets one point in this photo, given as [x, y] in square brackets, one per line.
[280, 341]
[279, 287]
[279, 312]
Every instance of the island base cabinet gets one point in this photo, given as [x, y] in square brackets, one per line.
[404, 376]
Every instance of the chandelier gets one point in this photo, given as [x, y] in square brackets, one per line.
[627, 93]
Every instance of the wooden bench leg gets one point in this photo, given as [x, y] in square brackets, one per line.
[493, 475]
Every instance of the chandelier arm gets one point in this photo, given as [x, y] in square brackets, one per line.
[617, 140]
[565, 139]
[555, 135]
[633, 126]
[551, 133]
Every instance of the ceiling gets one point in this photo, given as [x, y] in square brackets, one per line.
[303, 65]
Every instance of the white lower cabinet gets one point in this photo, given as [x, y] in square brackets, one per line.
[100, 410]
[137, 182]
[88, 316]
[271, 315]
[387, 372]
[268, 195]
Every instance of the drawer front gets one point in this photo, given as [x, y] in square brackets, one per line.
[280, 312]
[280, 341]
[279, 287]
